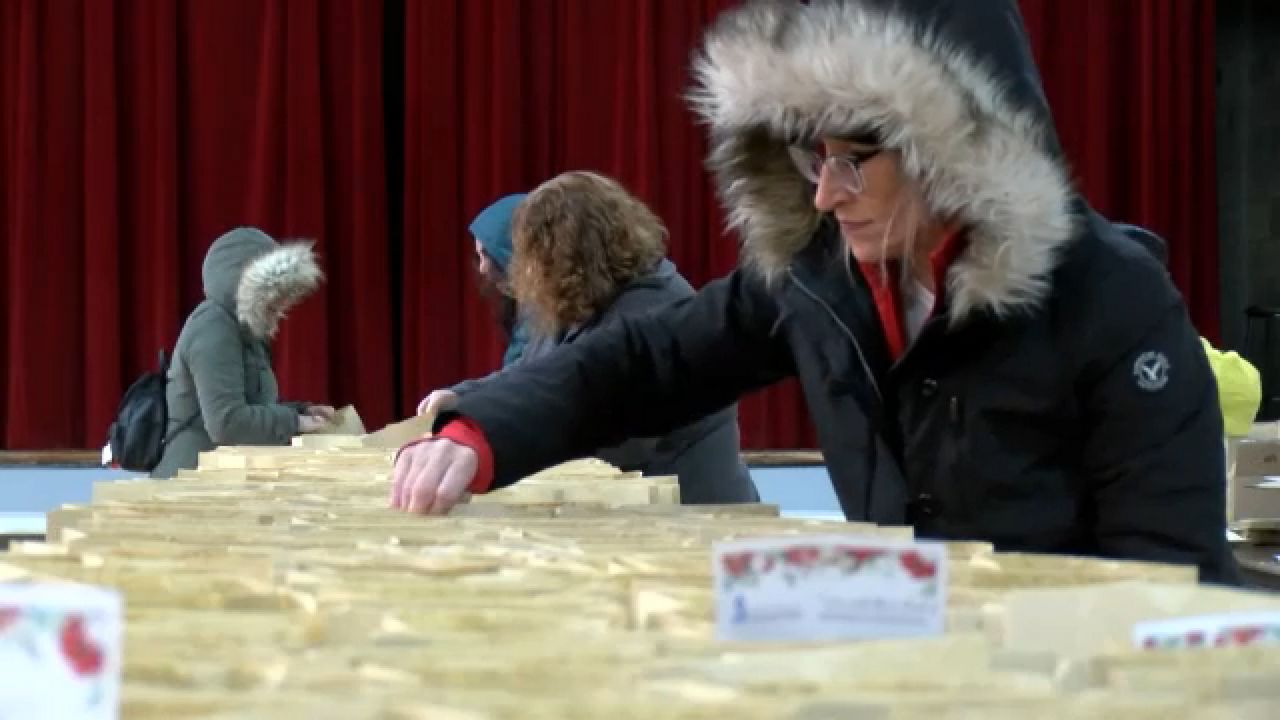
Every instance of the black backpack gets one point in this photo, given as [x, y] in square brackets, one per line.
[137, 436]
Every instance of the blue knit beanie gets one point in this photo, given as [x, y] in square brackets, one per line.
[492, 227]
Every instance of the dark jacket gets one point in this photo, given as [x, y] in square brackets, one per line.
[703, 452]
[1058, 402]
[221, 388]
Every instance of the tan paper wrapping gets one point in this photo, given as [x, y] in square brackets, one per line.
[1087, 621]
[275, 582]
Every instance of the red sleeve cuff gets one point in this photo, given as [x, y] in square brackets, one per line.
[465, 432]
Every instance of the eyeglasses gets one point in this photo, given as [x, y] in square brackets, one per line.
[845, 169]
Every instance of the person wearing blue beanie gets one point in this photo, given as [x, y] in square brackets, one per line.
[491, 230]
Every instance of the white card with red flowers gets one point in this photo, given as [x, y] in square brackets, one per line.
[1240, 629]
[828, 588]
[60, 651]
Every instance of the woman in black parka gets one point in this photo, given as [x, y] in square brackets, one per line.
[983, 356]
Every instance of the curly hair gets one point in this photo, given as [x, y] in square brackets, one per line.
[578, 239]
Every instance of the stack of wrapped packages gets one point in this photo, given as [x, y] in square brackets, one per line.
[276, 583]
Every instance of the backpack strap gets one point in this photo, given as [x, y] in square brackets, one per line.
[162, 365]
[186, 424]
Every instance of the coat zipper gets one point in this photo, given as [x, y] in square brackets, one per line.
[875, 385]
[928, 327]
[866, 367]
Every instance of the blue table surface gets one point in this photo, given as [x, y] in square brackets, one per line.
[26, 493]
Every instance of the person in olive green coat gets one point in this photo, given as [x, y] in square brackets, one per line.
[221, 388]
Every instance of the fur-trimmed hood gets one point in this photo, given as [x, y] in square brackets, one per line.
[248, 272]
[948, 83]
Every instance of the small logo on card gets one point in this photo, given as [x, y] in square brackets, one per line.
[1244, 629]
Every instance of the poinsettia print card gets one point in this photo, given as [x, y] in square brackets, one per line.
[60, 651]
[819, 588]
[1242, 629]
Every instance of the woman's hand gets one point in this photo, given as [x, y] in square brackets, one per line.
[322, 412]
[432, 476]
[310, 424]
[315, 418]
[437, 402]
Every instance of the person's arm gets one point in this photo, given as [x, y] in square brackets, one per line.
[470, 384]
[298, 407]
[520, 335]
[637, 376]
[216, 362]
[631, 454]
[466, 386]
[1153, 446]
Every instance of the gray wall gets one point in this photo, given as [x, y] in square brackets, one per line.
[1248, 158]
[1248, 139]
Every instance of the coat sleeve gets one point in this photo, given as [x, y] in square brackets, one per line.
[470, 384]
[216, 361]
[530, 347]
[639, 376]
[631, 454]
[1154, 447]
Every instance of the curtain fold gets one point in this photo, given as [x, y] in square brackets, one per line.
[498, 101]
[1132, 89]
[133, 133]
[499, 106]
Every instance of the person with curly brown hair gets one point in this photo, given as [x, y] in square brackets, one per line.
[585, 253]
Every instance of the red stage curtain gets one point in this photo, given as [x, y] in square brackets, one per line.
[498, 101]
[133, 133]
[1132, 88]
[503, 95]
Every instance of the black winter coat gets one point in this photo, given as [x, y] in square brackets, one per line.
[704, 454]
[1059, 402]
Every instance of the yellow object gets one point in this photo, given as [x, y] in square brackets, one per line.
[1239, 389]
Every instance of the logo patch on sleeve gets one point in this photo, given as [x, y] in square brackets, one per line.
[1151, 371]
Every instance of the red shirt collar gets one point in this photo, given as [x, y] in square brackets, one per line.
[888, 296]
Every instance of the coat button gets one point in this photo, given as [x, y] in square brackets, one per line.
[928, 387]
